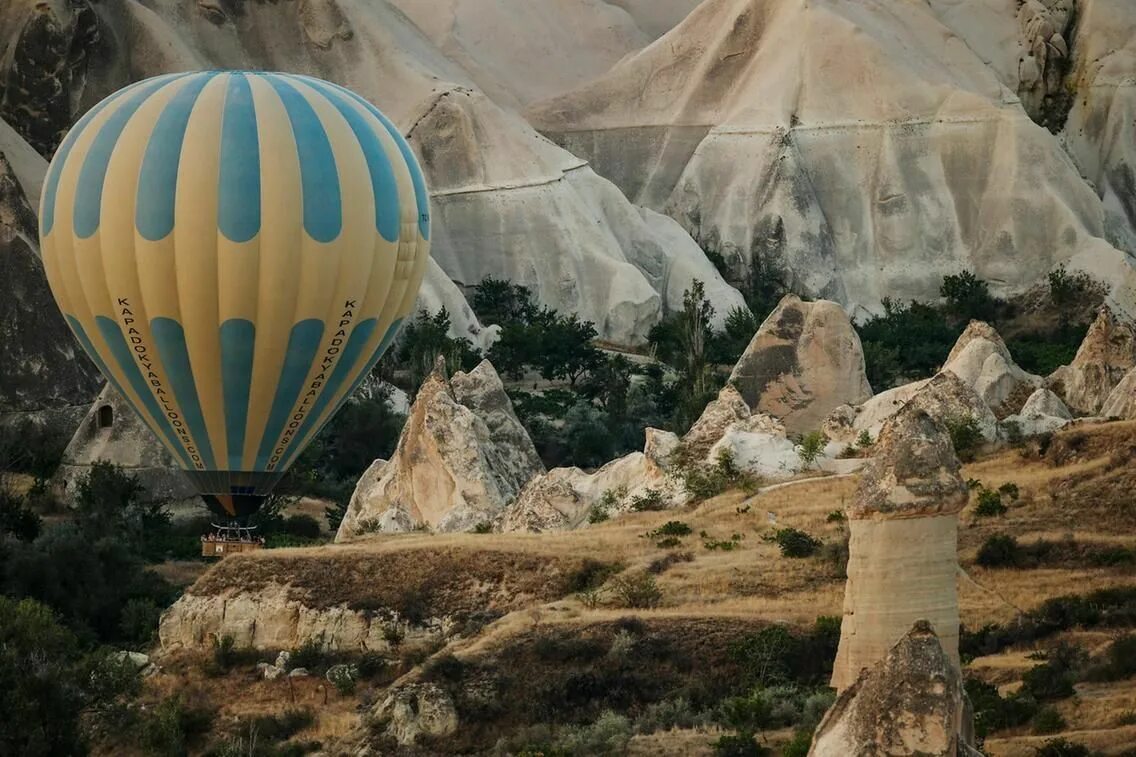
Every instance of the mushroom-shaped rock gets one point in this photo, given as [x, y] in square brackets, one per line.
[461, 458]
[981, 359]
[804, 361]
[1121, 402]
[909, 703]
[1107, 353]
[904, 539]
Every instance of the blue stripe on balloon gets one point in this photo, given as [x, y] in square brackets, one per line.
[348, 362]
[89, 348]
[388, 337]
[169, 337]
[238, 189]
[157, 180]
[92, 177]
[51, 184]
[421, 194]
[302, 347]
[319, 176]
[112, 335]
[384, 186]
[238, 340]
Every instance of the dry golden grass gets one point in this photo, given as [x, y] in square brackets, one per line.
[1077, 489]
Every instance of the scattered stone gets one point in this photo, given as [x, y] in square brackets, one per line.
[298, 673]
[414, 710]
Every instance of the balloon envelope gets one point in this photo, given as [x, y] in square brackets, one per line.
[235, 251]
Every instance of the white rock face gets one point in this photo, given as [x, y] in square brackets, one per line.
[804, 361]
[563, 498]
[980, 358]
[269, 619]
[1043, 413]
[418, 709]
[1107, 353]
[1121, 402]
[523, 50]
[112, 432]
[903, 560]
[461, 458]
[438, 292]
[768, 150]
[506, 202]
[910, 702]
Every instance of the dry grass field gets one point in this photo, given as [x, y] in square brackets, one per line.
[717, 584]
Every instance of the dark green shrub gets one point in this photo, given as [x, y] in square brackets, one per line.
[799, 746]
[1061, 748]
[309, 655]
[1048, 682]
[999, 551]
[1010, 489]
[661, 564]
[651, 500]
[989, 504]
[795, 543]
[16, 518]
[738, 745]
[671, 528]
[966, 435]
[1117, 663]
[836, 516]
[302, 527]
[1047, 720]
[370, 665]
[968, 298]
[639, 591]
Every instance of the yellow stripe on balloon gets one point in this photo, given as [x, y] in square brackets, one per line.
[279, 279]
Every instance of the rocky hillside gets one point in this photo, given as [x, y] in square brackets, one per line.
[487, 632]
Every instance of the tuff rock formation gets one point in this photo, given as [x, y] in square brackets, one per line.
[563, 498]
[903, 559]
[417, 710]
[112, 432]
[981, 359]
[774, 155]
[909, 703]
[804, 361]
[1043, 413]
[1121, 402]
[495, 183]
[1107, 353]
[44, 369]
[461, 458]
[945, 396]
[523, 50]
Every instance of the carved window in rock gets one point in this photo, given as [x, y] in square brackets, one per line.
[105, 416]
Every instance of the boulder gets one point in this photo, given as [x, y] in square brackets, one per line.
[112, 432]
[908, 703]
[461, 458]
[765, 454]
[804, 361]
[903, 559]
[417, 710]
[773, 156]
[980, 358]
[1107, 353]
[724, 412]
[494, 181]
[945, 398]
[1043, 413]
[563, 498]
[1121, 402]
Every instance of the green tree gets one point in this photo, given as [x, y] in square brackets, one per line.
[811, 448]
[727, 346]
[565, 348]
[426, 338]
[500, 302]
[47, 681]
[16, 518]
[968, 297]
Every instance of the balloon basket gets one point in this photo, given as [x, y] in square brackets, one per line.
[230, 539]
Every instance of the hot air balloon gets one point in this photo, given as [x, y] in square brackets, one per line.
[235, 251]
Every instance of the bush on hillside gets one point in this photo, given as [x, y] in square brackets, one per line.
[966, 436]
